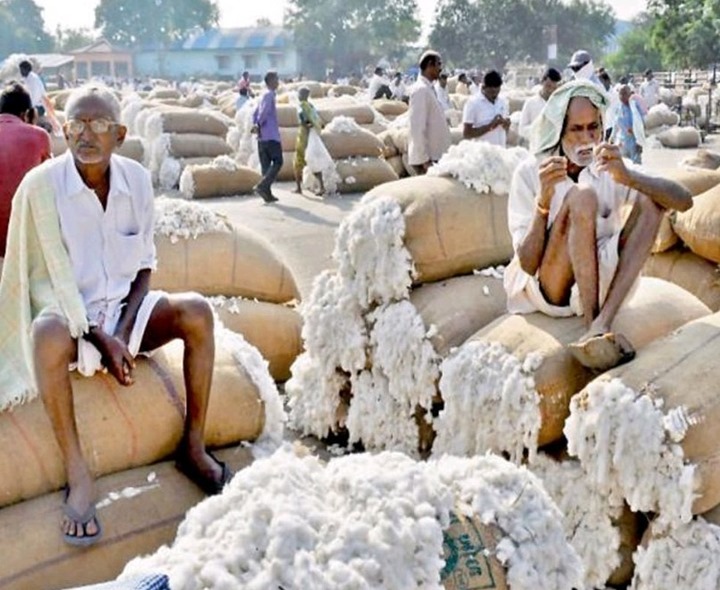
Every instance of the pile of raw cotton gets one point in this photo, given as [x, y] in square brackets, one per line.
[687, 249]
[366, 521]
[373, 342]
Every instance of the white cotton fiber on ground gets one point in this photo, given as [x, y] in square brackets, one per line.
[362, 521]
[490, 402]
[687, 558]
[480, 165]
[180, 219]
[370, 252]
[587, 517]
[625, 444]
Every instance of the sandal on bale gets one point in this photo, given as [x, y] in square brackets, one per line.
[81, 521]
[207, 484]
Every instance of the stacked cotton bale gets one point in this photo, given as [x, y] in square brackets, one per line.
[200, 250]
[379, 521]
[687, 250]
[660, 117]
[704, 158]
[222, 177]
[663, 123]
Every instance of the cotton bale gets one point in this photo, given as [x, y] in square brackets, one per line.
[181, 121]
[171, 169]
[697, 181]
[123, 427]
[59, 99]
[389, 148]
[400, 137]
[235, 263]
[271, 328]
[450, 229]
[704, 158]
[387, 107]
[523, 373]
[396, 163]
[288, 138]
[680, 137]
[359, 175]
[363, 114]
[699, 226]
[193, 145]
[164, 94]
[287, 170]
[287, 115]
[217, 180]
[355, 143]
[133, 147]
[663, 411]
[660, 115]
[377, 126]
[343, 90]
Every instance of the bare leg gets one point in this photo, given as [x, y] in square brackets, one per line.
[189, 317]
[53, 350]
[319, 177]
[298, 181]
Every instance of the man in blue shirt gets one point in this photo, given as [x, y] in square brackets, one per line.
[628, 129]
[265, 125]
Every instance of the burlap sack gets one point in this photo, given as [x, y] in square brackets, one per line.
[396, 163]
[236, 264]
[359, 143]
[164, 93]
[194, 145]
[362, 113]
[59, 99]
[287, 171]
[683, 371]
[133, 148]
[450, 229]
[344, 90]
[458, 308]
[200, 182]
[124, 427]
[680, 137]
[288, 138]
[389, 149]
[189, 121]
[656, 309]
[704, 158]
[359, 175]
[36, 558]
[687, 270]
[287, 115]
[271, 328]
[699, 226]
[657, 117]
[392, 108]
[696, 181]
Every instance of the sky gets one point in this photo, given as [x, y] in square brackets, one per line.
[243, 13]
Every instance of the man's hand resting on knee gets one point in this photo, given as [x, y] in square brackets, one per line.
[115, 355]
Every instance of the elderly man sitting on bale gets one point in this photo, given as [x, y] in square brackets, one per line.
[75, 294]
[573, 253]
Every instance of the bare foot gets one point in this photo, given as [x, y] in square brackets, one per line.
[603, 351]
[298, 191]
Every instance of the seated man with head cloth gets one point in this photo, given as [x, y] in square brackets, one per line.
[573, 253]
[75, 293]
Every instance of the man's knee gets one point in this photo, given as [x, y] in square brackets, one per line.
[195, 316]
[582, 202]
[52, 341]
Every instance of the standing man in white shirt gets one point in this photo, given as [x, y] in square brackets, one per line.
[650, 90]
[534, 105]
[487, 116]
[429, 131]
[104, 205]
[34, 86]
[442, 92]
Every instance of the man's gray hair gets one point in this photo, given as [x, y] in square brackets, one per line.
[97, 90]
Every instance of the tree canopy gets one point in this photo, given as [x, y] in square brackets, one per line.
[22, 28]
[347, 35]
[489, 33]
[133, 22]
[636, 52]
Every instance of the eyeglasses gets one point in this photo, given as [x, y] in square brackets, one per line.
[97, 126]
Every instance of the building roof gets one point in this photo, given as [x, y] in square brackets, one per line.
[100, 46]
[52, 60]
[273, 37]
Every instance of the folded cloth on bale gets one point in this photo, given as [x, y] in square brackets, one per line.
[154, 582]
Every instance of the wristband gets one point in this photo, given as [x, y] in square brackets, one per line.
[544, 212]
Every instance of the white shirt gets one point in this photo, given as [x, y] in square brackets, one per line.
[375, 83]
[480, 111]
[443, 96]
[106, 248]
[525, 188]
[473, 88]
[398, 90]
[35, 88]
[531, 110]
[429, 133]
[650, 92]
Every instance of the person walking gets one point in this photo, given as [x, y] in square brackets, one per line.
[265, 125]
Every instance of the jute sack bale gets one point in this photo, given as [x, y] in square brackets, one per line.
[704, 158]
[396, 163]
[359, 175]
[287, 115]
[666, 237]
[680, 137]
[240, 263]
[359, 143]
[200, 182]
[458, 308]
[386, 107]
[343, 90]
[660, 115]
[287, 171]
[271, 328]
[656, 309]
[194, 145]
[450, 229]
[699, 226]
[188, 121]
[59, 98]
[389, 149]
[682, 370]
[133, 148]
[696, 181]
[400, 137]
[288, 138]
[687, 270]
[35, 556]
[376, 127]
[362, 113]
[164, 93]
[123, 427]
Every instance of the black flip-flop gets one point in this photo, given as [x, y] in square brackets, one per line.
[208, 485]
[81, 520]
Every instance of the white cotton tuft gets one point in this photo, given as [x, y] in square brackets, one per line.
[343, 124]
[623, 443]
[225, 162]
[370, 252]
[490, 402]
[480, 165]
[154, 125]
[130, 110]
[686, 558]
[179, 219]
[233, 137]
[171, 174]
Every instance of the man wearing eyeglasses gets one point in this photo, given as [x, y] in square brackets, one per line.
[89, 298]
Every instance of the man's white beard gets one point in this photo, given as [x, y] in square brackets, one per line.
[581, 155]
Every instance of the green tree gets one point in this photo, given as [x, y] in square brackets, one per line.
[347, 35]
[489, 33]
[69, 39]
[22, 28]
[133, 22]
[636, 52]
